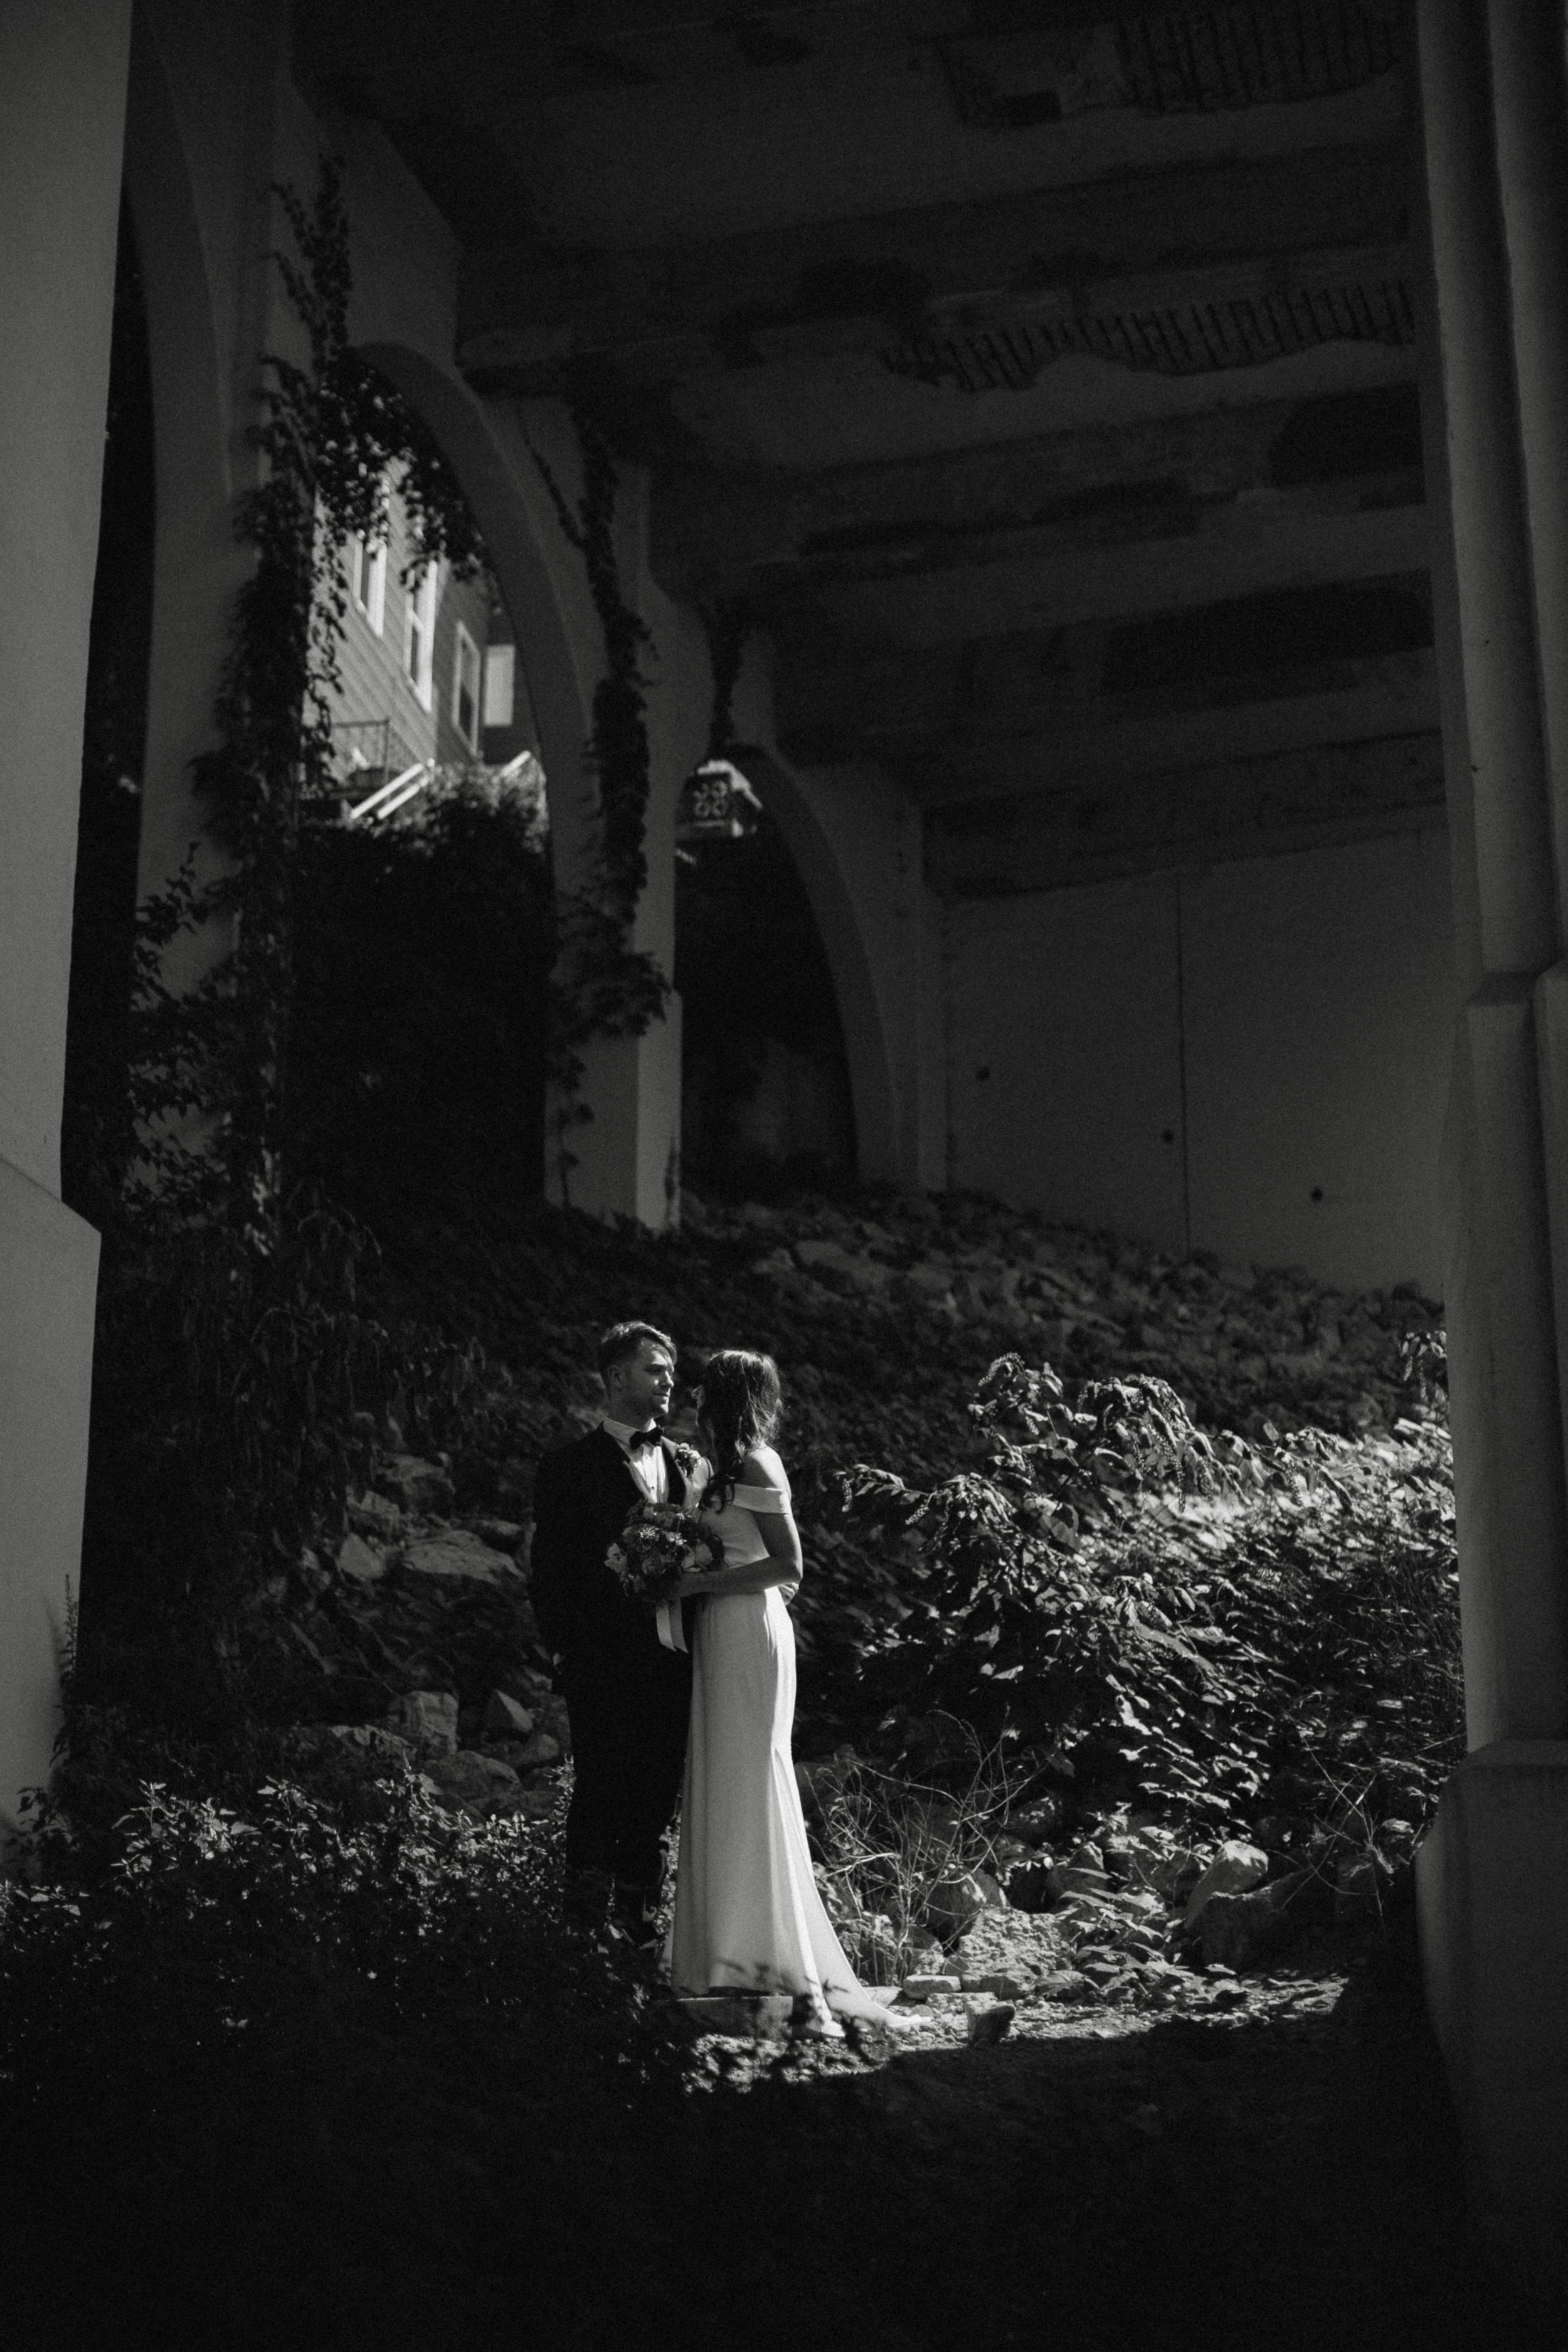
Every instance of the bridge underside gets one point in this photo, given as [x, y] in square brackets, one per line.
[1042, 386]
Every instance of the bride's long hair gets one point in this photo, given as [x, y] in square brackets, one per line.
[739, 1406]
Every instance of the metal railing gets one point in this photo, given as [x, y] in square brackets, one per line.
[364, 750]
[523, 774]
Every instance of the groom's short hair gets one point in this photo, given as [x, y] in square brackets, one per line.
[622, 1340]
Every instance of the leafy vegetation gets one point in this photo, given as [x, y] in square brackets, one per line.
[1237, 1638]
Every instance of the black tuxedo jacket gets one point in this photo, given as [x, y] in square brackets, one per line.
[582, 1497]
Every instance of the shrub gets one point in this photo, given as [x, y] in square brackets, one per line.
[1216, 1631]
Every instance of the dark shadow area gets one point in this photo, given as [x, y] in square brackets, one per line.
[419, 1029]
[94, 1137]
[337, 2174]
[1286, 633]
[766, 1094]
[1342, 435]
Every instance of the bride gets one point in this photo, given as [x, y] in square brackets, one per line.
[748, 1917]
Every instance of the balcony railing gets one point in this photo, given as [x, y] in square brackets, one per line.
[366, 751]
[378, 778]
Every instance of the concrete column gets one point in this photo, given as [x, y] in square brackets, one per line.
[1529, 94]
[62, 108]
[1490, 1875]
[1503, 1347]
[625, 1154]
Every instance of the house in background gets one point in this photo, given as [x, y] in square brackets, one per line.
[430, 679]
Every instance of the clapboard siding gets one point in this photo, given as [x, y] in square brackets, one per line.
[374, 685]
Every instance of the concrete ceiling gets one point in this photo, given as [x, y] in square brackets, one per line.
[950, 329]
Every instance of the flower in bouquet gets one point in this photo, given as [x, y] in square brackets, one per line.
[661, 1544]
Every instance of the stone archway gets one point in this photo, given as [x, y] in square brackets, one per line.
[872, 1081]
[557, 663]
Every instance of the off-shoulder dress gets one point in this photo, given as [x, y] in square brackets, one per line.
[748, 1915]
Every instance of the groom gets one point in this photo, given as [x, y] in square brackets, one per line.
[628, 1697]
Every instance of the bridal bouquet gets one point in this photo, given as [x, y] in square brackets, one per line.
[658, 1545]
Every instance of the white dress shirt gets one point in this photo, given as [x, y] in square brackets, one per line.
[647, 1464]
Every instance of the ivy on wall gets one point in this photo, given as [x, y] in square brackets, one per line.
[603, 986]
[210, 1064]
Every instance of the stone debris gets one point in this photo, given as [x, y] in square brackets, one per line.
[1269, 1338]
[923, 1985]
[1010, 1941]
[508, 1717]
[959, 1898]
[988, 2022]
[503, 1534]
[428, 1720]
[375, 1514]
[1239, 1930]
[1002, 1984]
[371, 1740]
[419, 1605]
[361, 1563]
[422, 1487]
[458, 1552]
[470, 1776]
[1235, 1868]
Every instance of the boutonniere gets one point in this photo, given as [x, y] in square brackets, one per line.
[685, 1457]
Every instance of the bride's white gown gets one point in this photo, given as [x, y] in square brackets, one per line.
[747, 1913]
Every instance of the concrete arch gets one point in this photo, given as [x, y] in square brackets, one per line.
[866, 1041]
[548, 646]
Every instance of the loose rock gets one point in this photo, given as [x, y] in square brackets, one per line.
[990, 2022]
[927, 1987]
[508, 1716]
[361, 1561]
[1235, 1868]
[456, 1553]
[428, 1720]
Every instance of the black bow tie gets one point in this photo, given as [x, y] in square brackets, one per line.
[641, 1437]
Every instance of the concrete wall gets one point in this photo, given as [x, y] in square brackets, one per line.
[1252, 1059]
[62, 98]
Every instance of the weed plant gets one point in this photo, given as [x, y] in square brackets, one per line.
[892, 1853]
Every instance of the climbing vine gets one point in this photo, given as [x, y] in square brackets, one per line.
[601, 985]
[210, 1080]
[210, 1076]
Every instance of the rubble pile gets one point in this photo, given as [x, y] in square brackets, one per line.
[1313, 1410]
[1242, 1345]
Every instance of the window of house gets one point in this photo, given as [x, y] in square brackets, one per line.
[465, 689]
[367, 580]
[419, 633]
[500, 670]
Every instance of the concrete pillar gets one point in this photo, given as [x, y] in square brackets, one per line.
[1494, 1918]
[1530, 91]
[625, 1155]
[1503, 1345]
[62, 108]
